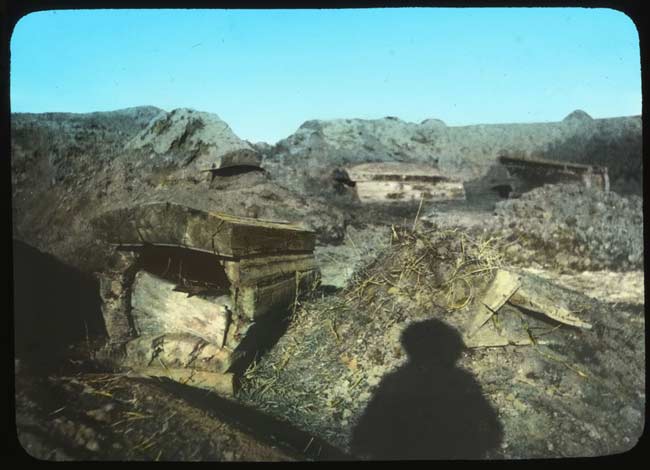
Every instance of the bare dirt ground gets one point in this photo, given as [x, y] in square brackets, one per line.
[81, 412]
[114, 417]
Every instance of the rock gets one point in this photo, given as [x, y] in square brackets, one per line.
[100, 414]
[631, 415]
[190, 137]
[158, 308]
[92, 445]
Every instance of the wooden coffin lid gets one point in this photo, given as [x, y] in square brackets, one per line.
[169, 224]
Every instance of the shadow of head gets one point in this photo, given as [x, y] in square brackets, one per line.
[428, 408]
[432, 342]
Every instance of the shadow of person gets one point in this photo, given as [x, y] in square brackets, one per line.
[428, 408]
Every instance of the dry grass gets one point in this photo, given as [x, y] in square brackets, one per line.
[335, 345]
[339, 348]
[444, 268]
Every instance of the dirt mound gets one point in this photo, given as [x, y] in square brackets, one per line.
[578, 115]
[573, 227]
[466, 152]
[384, 357]
[65, 173]
[190, 139]
[339, 262]
[56, 147]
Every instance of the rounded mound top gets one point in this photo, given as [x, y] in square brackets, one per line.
[433, 123]
[578, 115]
[312, 124]
[199, 136]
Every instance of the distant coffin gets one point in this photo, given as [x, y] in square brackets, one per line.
[389, 182]
[533, 172]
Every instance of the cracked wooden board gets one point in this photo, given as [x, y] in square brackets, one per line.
[169, 224]
[256, 300]
[502, 287]
[504, 329]
[537, 302]
[258, 269]
[537, 171]
[488, 337]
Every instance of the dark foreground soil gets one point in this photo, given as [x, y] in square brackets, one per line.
[81, 415]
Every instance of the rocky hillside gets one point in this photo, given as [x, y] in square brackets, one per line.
[465, 151]
[188, 138]
[359, 367]
[57, 145]
[69, 168]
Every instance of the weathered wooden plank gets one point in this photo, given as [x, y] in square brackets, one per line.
[488, 337]
[537, 171]
[502, 287]
[256, 270]
[538, 302]
[158, 309]
[396, 191]
[255, 300]
[177, 350]
[393, 171]
[250, 240]
[169, 224]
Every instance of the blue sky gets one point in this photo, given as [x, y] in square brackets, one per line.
[265, 72]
